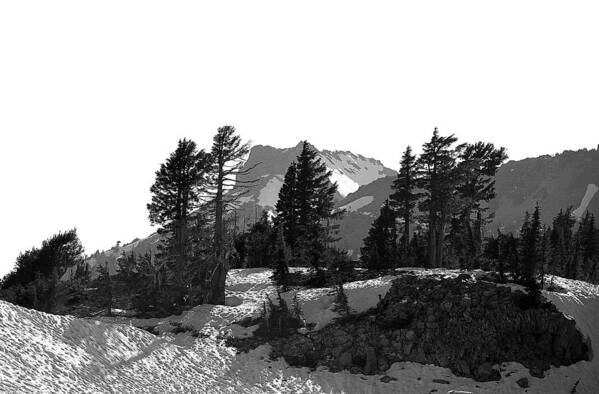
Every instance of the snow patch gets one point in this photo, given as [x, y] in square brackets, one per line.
[586, 200]
[345, 185]
[358, 204]
[269, 194]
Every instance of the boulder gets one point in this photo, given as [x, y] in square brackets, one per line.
[522, 382]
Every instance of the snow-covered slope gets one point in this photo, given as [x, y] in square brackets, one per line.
[47, 353]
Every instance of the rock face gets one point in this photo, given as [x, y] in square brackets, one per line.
[466, 325]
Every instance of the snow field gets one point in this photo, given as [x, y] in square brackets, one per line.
[47, 353]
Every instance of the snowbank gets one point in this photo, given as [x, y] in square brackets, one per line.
[47, 353]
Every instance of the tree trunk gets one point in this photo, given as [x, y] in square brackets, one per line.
[432, 244]
[219, 273]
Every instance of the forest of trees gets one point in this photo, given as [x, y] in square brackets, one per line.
[34, 282]
[566, 247]
[435, 216]
[444, 193]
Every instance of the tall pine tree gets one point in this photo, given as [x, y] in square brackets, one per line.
[437, 176]
[530, 248]
[478, 164]
[404, 197]
[380, 248]
[306, 208]
[227, 154]
[175, 195]
[286, 207]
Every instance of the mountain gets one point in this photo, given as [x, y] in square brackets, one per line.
[361, 208]
[556, 182]
[268, 164]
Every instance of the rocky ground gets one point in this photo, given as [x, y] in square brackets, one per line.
[189, 353]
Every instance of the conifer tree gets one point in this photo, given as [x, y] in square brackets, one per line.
[34, 281]
[341, 304]
[281, 261]
[105, 288]
[175, 195]
[404, 197]
[437, 176]
[227, 154]
[286, 207]
[380, 250]
[306, 209]
[475, 178]
[562, 242]
[588, 236]
[530, 237]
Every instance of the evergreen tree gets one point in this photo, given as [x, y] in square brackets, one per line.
[562, 243]
[306, 209]
[126, 273]
[287, 205]
[175, 195]
[227, 154]
[104, 288]
[281, 261]
[259, 240]
[530, 237]
[341, 304]
[588, 237]
[437, 176]
[380, 250]
[404, 197]
[475, 187]
[34, 281]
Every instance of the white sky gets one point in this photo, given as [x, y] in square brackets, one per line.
[94, 95]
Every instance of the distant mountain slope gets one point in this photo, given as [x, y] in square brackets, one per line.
[556, 182]
[361, 207]
[350, 171]
[566, 179]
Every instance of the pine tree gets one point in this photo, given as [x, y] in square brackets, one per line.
[341, 304]
[475, 178]
[315, 193]
[588, 236]
[530, 237]
[175, 195]
[281, 261]
[34, 281]
[105, 288]
[306, 209]
[404, 197]
[258, 243]
[380, 250]
[227, 154]
[286, 207]
[562, 243]
[126, 264]
[437, 176]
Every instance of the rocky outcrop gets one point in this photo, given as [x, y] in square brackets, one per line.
[466, 325]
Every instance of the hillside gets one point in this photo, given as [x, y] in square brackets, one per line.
[49, 353]
[556, 182]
